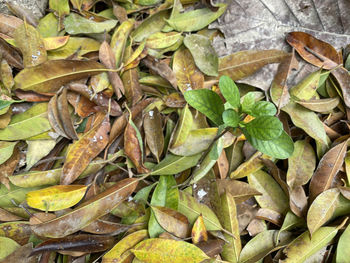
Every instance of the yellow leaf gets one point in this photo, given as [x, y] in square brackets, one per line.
[56, 197]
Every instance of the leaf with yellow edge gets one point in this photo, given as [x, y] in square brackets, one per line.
[157, 250]
[229, 220]
[29, 41]
[48, 77]
[303, 246]
[56, 197]
[199, 232]
[87, 212]
[187, 74]
[197, 141]
[115, 254]
[183, 127]
[252, 165]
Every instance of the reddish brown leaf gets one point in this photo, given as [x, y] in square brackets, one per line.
[102, 100]
[82, 105]
[120, 123]
[270, 216]
[132, 148]
[83, 151]
[327, 168]
[31, 96]
[313, 50]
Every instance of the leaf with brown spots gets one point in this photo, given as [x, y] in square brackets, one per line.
[83, 151]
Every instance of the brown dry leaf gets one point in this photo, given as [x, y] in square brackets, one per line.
[54, 118]
[313, 50]
[187, 74]
[162, 69]
[8, 24]
[83, 151]
[326, 170]
[239, 190]
[107, 58]
[120, 123]
[7, 168]
[245, 63]
[100, 99]
[279, 89]
[76, 243]
[11, 55]
[153, 128]
[132, 147]
[130, 78]
[65, 116]
[172, 221]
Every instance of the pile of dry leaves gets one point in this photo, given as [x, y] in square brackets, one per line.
[124, 138]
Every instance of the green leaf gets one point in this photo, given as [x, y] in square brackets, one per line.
[230, 118]
[165, 194]
[343, 252]
[7, 247]
[183, 127]
[263, 244]
[27, 124]
[150, 25]
[303, 246]
[207, 102]
[265, 128]
[76, 24]
[280, 148]
[155, 250]
[203, 53]
[196, 19]
[197, 141]
[230, 91]
[142, 194]
[208, 162]
[322, 209]
[6, 150]
[263, 108]
[229, 220]
[192, 209]
[173, 164]
[17, 194]
[272, 196]
[248, 102]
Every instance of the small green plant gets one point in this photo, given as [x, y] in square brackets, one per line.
[265, 132]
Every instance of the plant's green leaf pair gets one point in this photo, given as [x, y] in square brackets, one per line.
[264, 132]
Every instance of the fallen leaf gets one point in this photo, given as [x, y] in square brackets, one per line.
[165, 250]
[87, 212]
[85, 149]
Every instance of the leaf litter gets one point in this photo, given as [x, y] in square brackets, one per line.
[124, 137]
